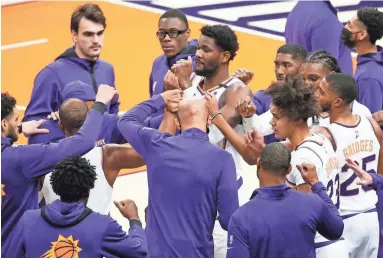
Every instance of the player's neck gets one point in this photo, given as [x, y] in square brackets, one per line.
[268, 180]
[218, 78]
[299, 135]
[193, 124]
[366, 48]
[343, 116]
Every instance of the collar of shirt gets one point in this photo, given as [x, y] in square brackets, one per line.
[271, 192]
[195, 133]
[6, 140]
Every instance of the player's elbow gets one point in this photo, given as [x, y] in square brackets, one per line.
[335, 231]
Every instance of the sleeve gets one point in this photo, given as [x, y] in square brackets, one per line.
[113, 133]
[38, 159]
[257, 100]
[377, 181]
[227, 192]
[54, 134]
[361, 110]
[116, 243]
[261, 123]
[151, 84]
[154, 122]
[303, 155]
[238, 243]
[132, 126]
[45, 95]
[330, 222]
[115, 103]
[16, 246]
[371, 94]
[215, 135]
[331, 41]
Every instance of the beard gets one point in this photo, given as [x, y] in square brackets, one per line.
[209, 70]
[346, 38]
[326, 107]
[12, 134]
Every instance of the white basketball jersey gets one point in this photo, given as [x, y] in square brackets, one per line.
[318, 150]
[356, 109]
[359, 143]
[100, 197]
[215, 135]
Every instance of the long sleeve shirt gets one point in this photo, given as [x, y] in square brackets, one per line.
[281, 222]
[21, 166]
[190, 180]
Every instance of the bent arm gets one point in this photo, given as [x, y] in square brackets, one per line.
[116, 243]
[331, 223]
[39, 159]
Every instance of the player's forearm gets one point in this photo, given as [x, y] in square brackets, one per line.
[332, 227]
[377, 182]
[168, 124]
[236, 140]
[133, 121]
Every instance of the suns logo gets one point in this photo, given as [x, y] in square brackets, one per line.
[63, 248]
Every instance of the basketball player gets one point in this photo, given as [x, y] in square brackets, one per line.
[256, 231]
[366, 179]
[357, 138]
[292, 104]
[318, 65]
[22, 165]
[67, 228]
[190, 179]
[108, 159]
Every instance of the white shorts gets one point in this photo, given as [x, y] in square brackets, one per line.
[337, 249]
[361, 234]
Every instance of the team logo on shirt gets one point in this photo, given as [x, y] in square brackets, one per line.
[63, 248]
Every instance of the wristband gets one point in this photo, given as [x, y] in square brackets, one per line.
[215, 114]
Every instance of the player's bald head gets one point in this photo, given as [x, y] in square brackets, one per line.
[195, 108]
[72, 114]
[233, 93]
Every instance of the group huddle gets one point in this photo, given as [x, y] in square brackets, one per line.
[317, 152]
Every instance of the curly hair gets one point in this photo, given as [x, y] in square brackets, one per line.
[373, 20]
[72, 178]
[325, 58]
[8, 103]
[223, 36]
[294, 98]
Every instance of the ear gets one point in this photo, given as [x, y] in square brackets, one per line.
[363, 35]
[225, 56]
[338, 102]
[4, 125]
[187, 33]
[74, 36]
[289, 169]
[61, 126]
[178, 125]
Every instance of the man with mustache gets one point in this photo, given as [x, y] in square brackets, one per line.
[80, 62]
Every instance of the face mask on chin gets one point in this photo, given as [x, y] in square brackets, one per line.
[346, 38]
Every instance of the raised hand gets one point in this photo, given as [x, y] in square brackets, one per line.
[364, 177]
[245, 107]
[211, 103]
[105, 93]
[309, 173]
[128, 209]
[172, 99]
[171, 81]
[32, 127]
[244, 75]
[182, 70]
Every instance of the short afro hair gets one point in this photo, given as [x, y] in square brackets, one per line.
[73, 178]
[73, 113]
[373, 20]
[223, 36]
[175, 13]
[295, 50]
[344, 86]
[294, 99]
[8, 103]
[325, 58]
[276, 158]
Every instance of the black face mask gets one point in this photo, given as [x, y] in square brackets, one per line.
[346, 38]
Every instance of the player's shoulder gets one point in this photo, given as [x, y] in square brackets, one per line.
[159, 60]
[360, 109]
[106, 64]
